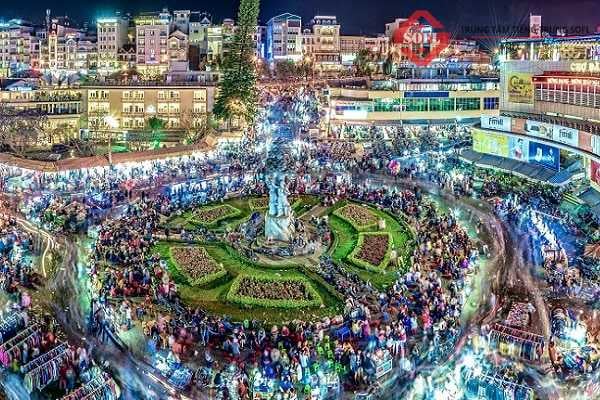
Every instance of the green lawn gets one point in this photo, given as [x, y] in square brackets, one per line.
[346, 239]
[212, 297]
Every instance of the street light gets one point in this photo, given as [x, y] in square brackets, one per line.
[113, 124]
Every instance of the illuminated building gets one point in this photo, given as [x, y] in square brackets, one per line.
[284, 38]
[63, 107]
[549, 101]
[418, 101]
[67, 49]
[132, 105]
[151, 36]
[19, 47]
[321, 44]
[112, 37]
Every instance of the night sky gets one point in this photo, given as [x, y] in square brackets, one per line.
[356, 16]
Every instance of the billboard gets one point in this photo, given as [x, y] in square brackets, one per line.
[518, 149]
[539, 129]
[520, 87]
[498, 123]
[490, 143]
[595, 172]
[596, 145]
[544, 155]
[568, 136]
[535, 26]
[585, 141]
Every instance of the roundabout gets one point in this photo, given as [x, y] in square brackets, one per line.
[243, 274]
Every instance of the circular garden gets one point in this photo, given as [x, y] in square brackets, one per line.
[214, 271]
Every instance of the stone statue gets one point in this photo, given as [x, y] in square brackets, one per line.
[279, 204]
[279, 220]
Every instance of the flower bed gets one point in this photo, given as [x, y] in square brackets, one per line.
[372, 251]
[197, 265]
[361, 218]
[259, 203]
[273, 291]
[210, 216]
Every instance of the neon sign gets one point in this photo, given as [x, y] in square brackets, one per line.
[586, 66]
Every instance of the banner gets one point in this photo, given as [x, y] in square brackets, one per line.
[585, 141]
[490, 143]
[520, 87]
[568, 136]
[596, 145]
[595, 172]
[496, 123]
[535, 26]
[518, 149]
[544, 155]
[539, 129]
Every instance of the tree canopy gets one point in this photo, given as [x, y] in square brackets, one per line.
[238, 94]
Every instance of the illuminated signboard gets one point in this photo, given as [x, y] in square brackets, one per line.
[586, 66]
[490, 143]
[544, 155]
[564, 80]
[499, 123]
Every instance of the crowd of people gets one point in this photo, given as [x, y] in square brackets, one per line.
[415, 318]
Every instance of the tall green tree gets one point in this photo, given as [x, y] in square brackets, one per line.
[238, 95]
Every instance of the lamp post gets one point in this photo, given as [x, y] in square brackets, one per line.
[113, 124]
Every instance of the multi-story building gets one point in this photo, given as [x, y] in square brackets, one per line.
[63, 107]
[350, 46]
[206, 38]
[416, 101]
[112, 36]
[19, 47]
[550, 111]
[284, 38]
[130, 106]
[321, 44]
[178, 51]
[151, 37]
[67, 48]
[181, 20]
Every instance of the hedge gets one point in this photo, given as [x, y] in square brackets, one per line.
[203, 280]
[364, 264]
[355, 225]
[233, 296]
[233, 212]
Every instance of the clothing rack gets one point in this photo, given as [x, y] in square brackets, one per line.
[92, 388]
[99, 394]
[50, 370]
[6, 352]
[516, 343]
[25, 332]
[43, 358]
[12, 322]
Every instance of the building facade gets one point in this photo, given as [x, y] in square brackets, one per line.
[151, 37]
[63, 107]
[19, 47]
[321, 44]
[284, 38]
[112, 37]
[130, 107]
[549, 104]
[416, 101]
